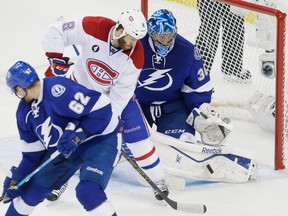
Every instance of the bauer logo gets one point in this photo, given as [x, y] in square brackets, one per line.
[211, 150]
[57, 90]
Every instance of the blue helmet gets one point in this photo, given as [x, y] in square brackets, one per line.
[162, 22]
[21, 74]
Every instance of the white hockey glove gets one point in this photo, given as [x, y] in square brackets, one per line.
[262, 108]
[212, 129]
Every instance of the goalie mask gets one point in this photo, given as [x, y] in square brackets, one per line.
[21, 74]
[162, 29]
[133, 23]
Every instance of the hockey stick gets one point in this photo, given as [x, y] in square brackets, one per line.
[174, 183]
[198, 147]
[28, 177]
[186, 207]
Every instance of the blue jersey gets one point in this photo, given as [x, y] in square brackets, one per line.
[42, 122]
[178, 76]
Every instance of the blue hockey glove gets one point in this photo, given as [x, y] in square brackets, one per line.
[70, 139]
[9, 193]
[58, 66]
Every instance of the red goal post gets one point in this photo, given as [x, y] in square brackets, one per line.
[279, 86]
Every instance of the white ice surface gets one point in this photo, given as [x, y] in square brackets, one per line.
[22, 24]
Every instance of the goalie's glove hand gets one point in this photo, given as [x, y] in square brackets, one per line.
[58, 66]
[9, 190]
[212, 129]
[70, 139]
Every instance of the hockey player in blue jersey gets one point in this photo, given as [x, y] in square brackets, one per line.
[110, 61]
[174, 89]
[57, 114]
[175, 92]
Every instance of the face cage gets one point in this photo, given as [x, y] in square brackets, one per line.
[162, 49]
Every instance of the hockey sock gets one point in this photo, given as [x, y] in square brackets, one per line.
[34, 194]
[147, 158]
[19, 208]
[90, 194]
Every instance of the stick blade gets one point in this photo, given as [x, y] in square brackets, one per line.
[192, 208]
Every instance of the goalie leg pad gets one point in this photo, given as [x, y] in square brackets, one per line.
[233, 168]
[202, 166]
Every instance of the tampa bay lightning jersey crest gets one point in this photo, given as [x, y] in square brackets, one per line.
[48, 133]
[179, 75]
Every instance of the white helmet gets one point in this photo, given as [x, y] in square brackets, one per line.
[133, 23]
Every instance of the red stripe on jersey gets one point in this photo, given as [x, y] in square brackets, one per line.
[146, 155]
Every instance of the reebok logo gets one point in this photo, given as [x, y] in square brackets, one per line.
[95, 170]
[211, 150]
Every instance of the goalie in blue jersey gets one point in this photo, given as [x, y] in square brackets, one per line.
[175, 92]
[57, 114]
[174, 89]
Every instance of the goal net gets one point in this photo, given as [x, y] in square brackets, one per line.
[243, 47]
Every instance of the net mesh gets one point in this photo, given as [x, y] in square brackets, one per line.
[232, 49]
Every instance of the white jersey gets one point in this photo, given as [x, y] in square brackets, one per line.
[99, 66]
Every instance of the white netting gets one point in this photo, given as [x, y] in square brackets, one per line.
[236, 29]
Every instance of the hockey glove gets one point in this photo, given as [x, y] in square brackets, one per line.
[70, 139]
[212, 129]
[58, 66]
[9, 191]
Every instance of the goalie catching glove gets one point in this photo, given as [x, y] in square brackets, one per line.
[212, 129]
[58, 66]
[70, 139]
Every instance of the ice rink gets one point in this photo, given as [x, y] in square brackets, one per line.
[22, 24]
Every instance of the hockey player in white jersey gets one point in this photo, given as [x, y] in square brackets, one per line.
[58, 114]
[110, 61]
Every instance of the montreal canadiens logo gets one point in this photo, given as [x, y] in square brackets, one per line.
[100, 72]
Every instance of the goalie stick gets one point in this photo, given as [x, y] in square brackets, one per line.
[198, 147]
[186, 207]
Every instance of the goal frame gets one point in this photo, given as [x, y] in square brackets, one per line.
[280, 70]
